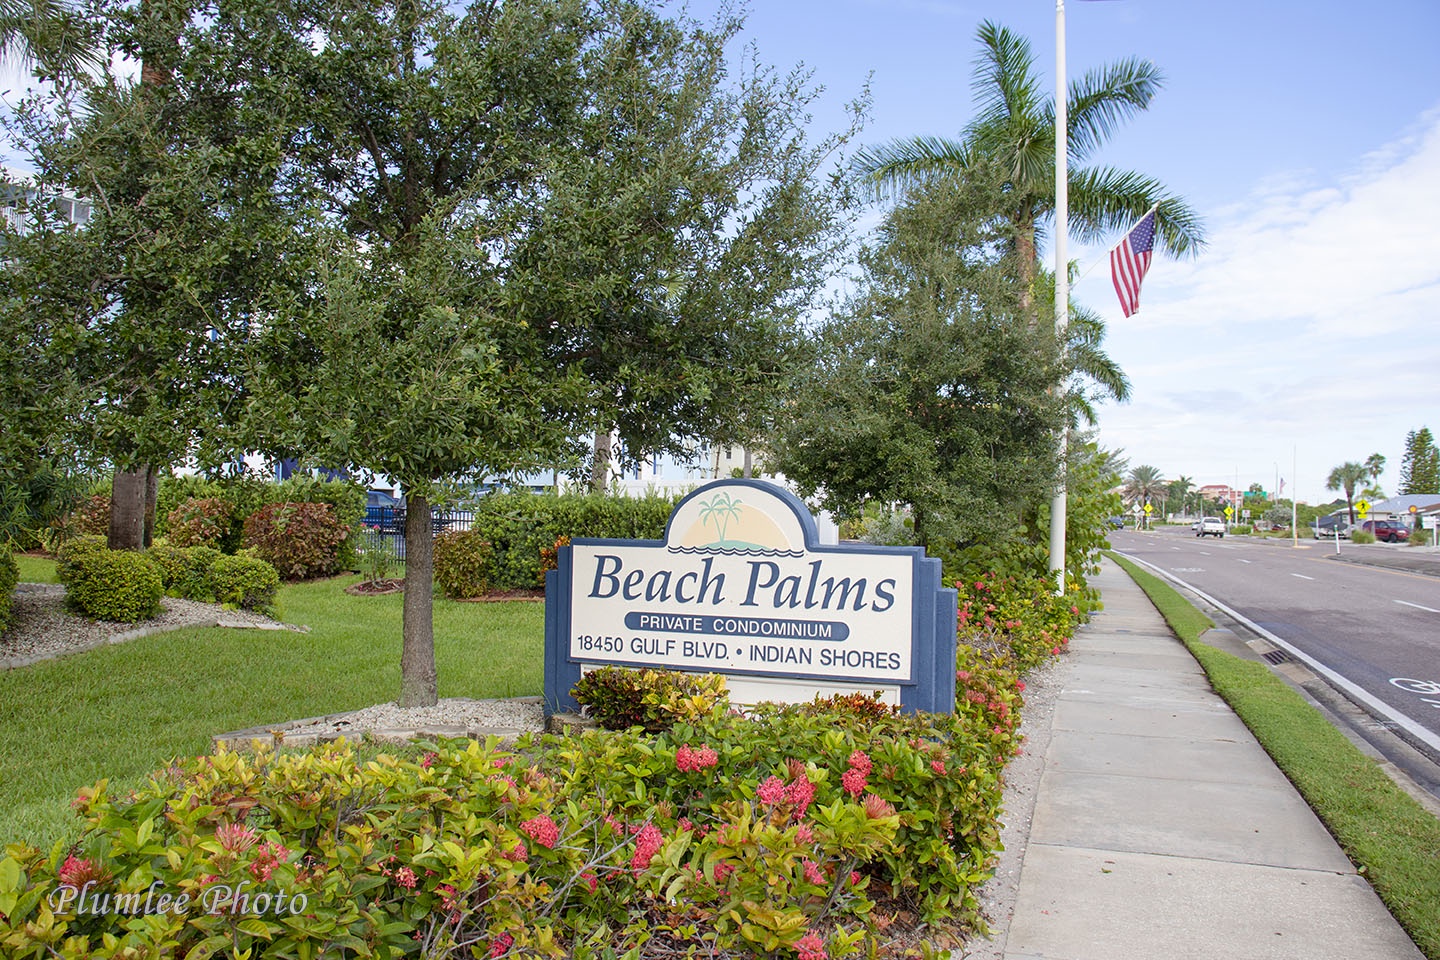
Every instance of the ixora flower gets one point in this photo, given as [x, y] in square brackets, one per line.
[267, 858]
[877, 808]
[647, 843]
[810, 947]
[542, 830]
[688, 760]
[236, 837]
[853, 781]
[771, 792]
[77, 871]
[500, 944]
[860, 760]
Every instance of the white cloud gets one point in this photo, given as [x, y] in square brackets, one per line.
[1311, 321]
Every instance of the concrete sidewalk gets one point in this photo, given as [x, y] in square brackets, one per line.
[1162, 829]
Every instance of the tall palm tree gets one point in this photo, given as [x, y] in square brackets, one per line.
[1347, 477]
[1374, 466]
[1180, 490]
[46, 34]
[1016, 127]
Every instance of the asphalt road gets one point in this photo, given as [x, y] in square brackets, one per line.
[1376, 628]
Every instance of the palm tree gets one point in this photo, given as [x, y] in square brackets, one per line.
[1374, 466]
[1143, 483]
[1180, 490]
[1016, 128]
[46, 34]
[1347, 476]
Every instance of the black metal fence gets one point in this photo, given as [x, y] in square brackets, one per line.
[384, 528]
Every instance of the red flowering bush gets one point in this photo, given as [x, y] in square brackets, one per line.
[199, 522]
[300, 540]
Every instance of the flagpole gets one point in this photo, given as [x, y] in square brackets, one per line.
[1062, 292]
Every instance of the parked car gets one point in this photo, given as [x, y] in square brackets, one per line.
[1115, 522]
[1331, 528]
[1210, 527]
[1387, 531]
[384, 513]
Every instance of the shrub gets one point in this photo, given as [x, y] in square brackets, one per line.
[462, 561]
[90, 517]
[185, 572]
[1241, 530]
[550, 557]
[1361, 536]
[9, 576]
[117, 585]
[752, 837]
[245, 583]
[654, 699]
[1419, 538]
[201, 522]
[300, 540]
[71, 555]
[519, 526]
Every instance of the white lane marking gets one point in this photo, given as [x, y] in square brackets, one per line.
[1243, 560]
[1418, 607]
[1301, 576]
[1356, 691]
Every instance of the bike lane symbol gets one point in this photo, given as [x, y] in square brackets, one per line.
[1425, 688]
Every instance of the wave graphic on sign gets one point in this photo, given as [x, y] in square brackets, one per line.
[725, 524]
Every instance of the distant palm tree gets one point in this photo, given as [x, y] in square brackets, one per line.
[1180, 490]
[1374, 466]
[1016, 127]
[1347, 477]
[46, 34]
[1142, 484]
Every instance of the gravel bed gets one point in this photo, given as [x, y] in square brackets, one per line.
[43, 628]
[525, 714]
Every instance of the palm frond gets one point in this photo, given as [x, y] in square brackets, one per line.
[1004, 78]
[890, 169]
[1103, 98]
[1105, 201]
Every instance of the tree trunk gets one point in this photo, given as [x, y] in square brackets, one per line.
[746, 470]
[600, 465]
[417, 652]
[127, 509]
[152, 498]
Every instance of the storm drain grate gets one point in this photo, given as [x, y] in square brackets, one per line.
[1278, 657]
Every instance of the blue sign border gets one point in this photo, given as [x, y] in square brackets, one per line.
[930, 688]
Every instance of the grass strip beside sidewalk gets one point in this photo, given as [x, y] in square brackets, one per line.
[1393, 841]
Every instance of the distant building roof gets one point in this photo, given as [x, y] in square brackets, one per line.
[1420, 501]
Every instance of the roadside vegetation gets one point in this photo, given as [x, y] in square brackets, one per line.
[1392, 840]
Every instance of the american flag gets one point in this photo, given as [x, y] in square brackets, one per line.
[1129, 260]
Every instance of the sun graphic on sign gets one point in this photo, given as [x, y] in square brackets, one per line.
[727, 524]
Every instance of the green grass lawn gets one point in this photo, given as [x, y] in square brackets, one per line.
[35, 569]
[121, 712]
[1393, 840]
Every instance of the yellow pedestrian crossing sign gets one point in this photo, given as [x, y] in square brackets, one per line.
[1362, 507]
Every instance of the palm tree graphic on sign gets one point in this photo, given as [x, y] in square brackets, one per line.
[721, 508]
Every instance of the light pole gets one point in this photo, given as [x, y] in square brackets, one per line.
[1062, 289]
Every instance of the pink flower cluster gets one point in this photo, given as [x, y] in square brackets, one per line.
[235, 837]
[269, 856]
[855, 779]
[647, 843]
[810, 947]
[693, 761]
[500, 944]
[813, 873]
[78, 871]
[771, 792]
[405, 877]
[542, 830]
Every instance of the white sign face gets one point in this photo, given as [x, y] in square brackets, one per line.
[1430, 522]
[734, 589]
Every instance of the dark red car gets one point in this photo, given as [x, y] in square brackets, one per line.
[1388, 531]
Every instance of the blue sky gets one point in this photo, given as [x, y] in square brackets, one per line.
[1307, 135]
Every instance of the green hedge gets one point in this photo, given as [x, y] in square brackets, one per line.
[247, 583]
[246, 495]
[9, 576]
[116, 585]
[519, 525]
